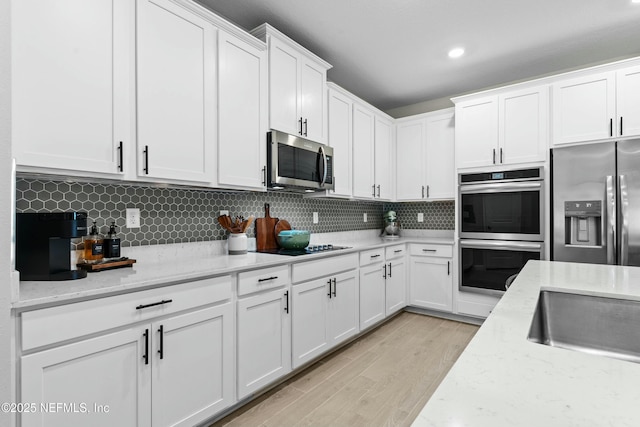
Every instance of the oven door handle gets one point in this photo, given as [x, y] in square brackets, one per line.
[325, 167]
[501, 187]
[501, 245]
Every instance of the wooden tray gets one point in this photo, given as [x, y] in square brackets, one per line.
[107, 265]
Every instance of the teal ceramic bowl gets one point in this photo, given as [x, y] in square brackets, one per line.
[293, 239]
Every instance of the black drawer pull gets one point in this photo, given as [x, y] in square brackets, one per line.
[429, 250]
[375, 256]
[397, 251]
[164, 301]
[267, 279]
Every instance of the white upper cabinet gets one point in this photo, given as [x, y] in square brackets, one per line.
[176, 92]
[297, 83]
[504, 129]
[242, 113]
[72, 83]
[599, 106]
[340, 107]
[383, 158]
[363, 152]
[425, 157]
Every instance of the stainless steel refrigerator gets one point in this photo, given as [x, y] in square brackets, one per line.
[596, 203]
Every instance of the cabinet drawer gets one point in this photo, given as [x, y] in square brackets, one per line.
[432, 250]
[372, 256]
[65, 322]
[396, 251]
[323, 267]
[263, 279]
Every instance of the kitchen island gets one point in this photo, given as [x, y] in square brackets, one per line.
[502, 379]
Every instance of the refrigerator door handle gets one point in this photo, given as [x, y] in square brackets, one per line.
[624, 211]
[611, 221]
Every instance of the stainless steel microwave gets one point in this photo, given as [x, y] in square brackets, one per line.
[298, 164]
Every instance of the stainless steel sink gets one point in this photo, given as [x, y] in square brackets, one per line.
[590, 324]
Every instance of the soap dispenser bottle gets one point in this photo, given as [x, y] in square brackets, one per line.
[112, 243]
[93, 246]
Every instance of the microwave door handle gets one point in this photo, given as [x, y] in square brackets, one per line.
[325, 167]
[610, 231]
[624, 230]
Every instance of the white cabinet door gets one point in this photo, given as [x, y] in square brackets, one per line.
[108, 371]
[340, 140]
[523, 133]
[363, 152]
[383, 159]
[628, 109]
[192, 365]
[309, 336]
[476, 133]
[264, 340]
[73, 73]
[372, 295]
[176, 92]
[242, 107]
[313, 101]
[440, 157]
[342, 309]
[410, 148]
[396, 286]
[584, 109]
[284, 104]
[431, 283]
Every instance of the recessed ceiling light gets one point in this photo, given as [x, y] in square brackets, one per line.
[458, 52]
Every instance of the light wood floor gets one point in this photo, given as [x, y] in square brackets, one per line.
[382, 379]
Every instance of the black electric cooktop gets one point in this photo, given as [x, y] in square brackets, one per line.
[309, 250]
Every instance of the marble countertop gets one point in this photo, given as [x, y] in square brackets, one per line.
[170, 264]
[502, 379]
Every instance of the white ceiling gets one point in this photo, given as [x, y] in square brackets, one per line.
[393, 53]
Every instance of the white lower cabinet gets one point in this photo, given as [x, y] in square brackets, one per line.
[325, 313]
[431, 277]
[264, 340]
[372, 294]
[171, 369]
[396, 285]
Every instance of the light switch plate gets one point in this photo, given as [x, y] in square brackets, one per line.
[224, 212]
[420, 217]
[133, 218]
[315, 218]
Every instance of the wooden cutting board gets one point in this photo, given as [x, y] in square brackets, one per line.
[283, 224]
[265, 236]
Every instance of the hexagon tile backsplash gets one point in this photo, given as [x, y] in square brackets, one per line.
[176, 215]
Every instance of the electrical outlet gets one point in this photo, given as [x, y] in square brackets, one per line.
[224, 212]
[133, 218]
[420, 217]
[315, 218]
[364, 217]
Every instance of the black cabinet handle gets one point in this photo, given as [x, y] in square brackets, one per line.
[164, 301]
[494, 156]
[378, 191]
[267, 279]
[300, 121]
[373, 190]
[610, 127]
[146, 159]
[120, 158]
[161, 349]
[620, 125]
[397, 251]
[501, 156]
[375, 256]
[306, 128]
[428, 250]
[389, 269]
[264, 175]
[423, 191]
[384, 275]
[448, 268]
[427, 191]
[145, 356]
[335, 286]
[286, 298]
[329, 282]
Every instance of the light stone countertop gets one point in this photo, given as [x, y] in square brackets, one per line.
[163, 265]
[502, 379]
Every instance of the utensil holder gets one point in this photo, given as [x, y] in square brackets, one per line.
[237, 243]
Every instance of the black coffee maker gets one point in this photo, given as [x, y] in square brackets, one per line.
[43, 244]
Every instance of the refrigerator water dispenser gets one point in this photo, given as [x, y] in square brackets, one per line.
[583, 223]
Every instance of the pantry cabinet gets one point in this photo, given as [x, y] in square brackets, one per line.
[598, 106]
[72, 85]
[242, 113]
[176, 92]
[504, 129]
[425, 157]
[431, 276]
[297, 83]
[133, 356]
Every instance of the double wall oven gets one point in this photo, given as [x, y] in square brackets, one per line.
[501, 227]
